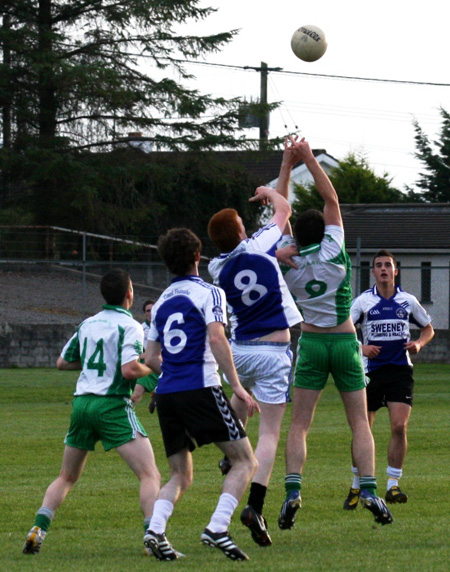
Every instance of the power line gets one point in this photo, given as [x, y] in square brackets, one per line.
[326, 76]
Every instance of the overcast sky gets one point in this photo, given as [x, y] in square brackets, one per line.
[384, 40]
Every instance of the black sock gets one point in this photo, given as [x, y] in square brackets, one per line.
[257, 496]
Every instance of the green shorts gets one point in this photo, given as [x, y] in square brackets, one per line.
[109, 419]
[149, 382]
[319, 355]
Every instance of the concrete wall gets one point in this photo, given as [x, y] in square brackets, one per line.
[24, 345]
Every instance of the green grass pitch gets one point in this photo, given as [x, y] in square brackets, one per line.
[99, 527]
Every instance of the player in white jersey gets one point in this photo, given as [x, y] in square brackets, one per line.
[187, 344]
[384, 313]
[106, 347]
[147, 309]
[320, 283]
[262, 311]
[149, 382]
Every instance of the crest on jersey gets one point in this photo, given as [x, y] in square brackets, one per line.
[401, 313]
[138, 347]
[217, 310]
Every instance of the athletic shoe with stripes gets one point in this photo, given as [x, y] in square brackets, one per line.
[293, 502]
[34, 540]
[377, 507]
[351, 502]
[159, 546]
[224, 542]
[394, 495]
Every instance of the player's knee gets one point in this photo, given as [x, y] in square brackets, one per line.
[253, 464]
[186, 481]
[399, 428]
[69, 479]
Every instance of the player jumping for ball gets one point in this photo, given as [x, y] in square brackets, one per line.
[328, 343]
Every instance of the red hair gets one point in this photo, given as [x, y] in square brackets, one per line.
[224, 228]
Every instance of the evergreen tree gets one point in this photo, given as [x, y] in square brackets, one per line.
[355, 182]
[76, 70]
[76, 75]
[435, 155]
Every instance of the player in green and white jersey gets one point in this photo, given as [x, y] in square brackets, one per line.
[106, 347]
[148, 383]
[319, 279]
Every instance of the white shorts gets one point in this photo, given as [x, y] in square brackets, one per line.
[264, 368]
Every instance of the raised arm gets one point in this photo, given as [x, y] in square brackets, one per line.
[281, 208]
[291, 156]
[331, 210]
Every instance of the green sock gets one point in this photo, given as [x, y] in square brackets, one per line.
[43, 521]
[368, 484]
[292, 482]
[147, 523]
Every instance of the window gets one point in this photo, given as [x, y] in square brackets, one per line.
[425, 278]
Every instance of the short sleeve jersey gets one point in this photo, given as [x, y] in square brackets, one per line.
[179, 323]
[385, 322]
[145, 326]
[103, 343]
[258, 298]
[321, 285]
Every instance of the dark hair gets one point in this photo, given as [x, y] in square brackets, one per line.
[223, 230]
[309, 228]
[178, 249]
[114, 286]
[146, 303]
[383, 252]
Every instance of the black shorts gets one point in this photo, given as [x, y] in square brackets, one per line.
[390, 383]
[201, 415]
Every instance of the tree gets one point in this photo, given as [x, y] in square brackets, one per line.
[435, 155]
[75, 75]
[74, 69]
[355, 182]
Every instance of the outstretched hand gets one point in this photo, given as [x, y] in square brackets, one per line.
[263, 195]
[285, 255]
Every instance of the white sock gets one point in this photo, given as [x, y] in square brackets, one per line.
[394, 475]
[161, 514]
[355, 484]
[225, 508]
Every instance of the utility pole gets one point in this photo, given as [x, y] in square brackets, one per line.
[264, 118]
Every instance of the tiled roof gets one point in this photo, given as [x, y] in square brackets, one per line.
[263, 165]
[409, 226]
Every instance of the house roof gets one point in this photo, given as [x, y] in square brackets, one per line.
[263, 165]
[402, 226]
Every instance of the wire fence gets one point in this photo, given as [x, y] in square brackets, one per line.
[84, 257]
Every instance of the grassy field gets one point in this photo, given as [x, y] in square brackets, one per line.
[99, 527]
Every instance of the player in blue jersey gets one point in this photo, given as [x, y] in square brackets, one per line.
[262, 311]
[320, 283]
[106, 347]
[187, 344]
[383, 314]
